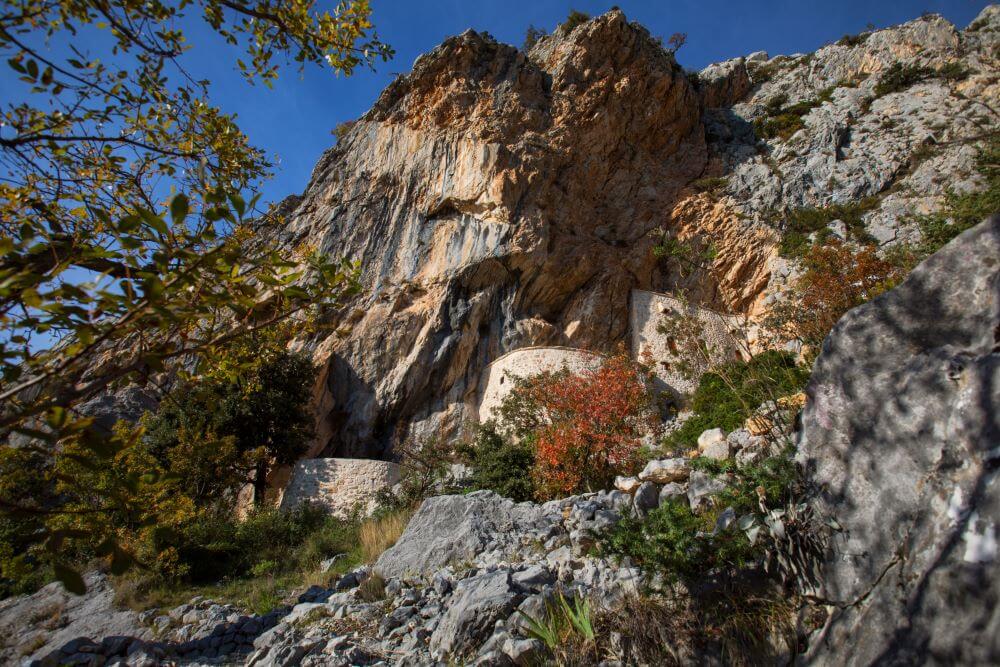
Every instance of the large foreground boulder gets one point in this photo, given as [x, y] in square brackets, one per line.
[901, 438]
[452, 530]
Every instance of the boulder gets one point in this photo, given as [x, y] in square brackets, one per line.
[713, 444]
[646, 498]
[627, 484]
[900, 442]
[454, 529]
[478, 603]
[672, 490]
[701, 487]
[665, 471]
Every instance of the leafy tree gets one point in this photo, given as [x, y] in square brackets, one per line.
[129, 233]
[676, 41]
[245, 416]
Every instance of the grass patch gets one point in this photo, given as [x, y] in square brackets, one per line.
[803, 222]
[712, 185]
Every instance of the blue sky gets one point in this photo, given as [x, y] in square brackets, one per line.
[292, 121]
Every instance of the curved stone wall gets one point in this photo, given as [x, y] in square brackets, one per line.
[648, 310]
[341, 485]
[496, 379]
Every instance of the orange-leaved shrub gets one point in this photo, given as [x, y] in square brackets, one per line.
[836, 279]
[587, 426]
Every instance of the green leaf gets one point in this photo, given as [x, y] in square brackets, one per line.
[154, 221]
[70, 578]
[179, 208]
[238, 203]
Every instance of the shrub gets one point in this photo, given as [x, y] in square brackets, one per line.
[836, 279]
[852, 40]
[424, 471]
[782, 126]
[588, 425]
[802, 222]
[963, 211]
[711, 184]
[502, 465]
[676, 543]
[730, 393]
[900, 77]
[573, 20]
[341, 130]
[784, 121]
[953, 71]
[531, 37]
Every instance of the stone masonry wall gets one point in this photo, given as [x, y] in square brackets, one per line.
[648, 310]
[339, 484]
[496, 379]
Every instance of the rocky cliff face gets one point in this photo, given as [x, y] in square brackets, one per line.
[497, 199]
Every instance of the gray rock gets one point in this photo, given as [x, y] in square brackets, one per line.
[455, 529]
[56, 617]
[701, 487]
[672, 490]
[477, 604]
[532, 577]
[646, 498]
[898, 439]
[523, 652]
[665, 471]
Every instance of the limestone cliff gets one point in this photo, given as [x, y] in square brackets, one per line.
[497, 199]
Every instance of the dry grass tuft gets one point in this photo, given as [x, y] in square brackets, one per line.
[379, 533]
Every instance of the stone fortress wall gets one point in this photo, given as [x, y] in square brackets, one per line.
[496, 379]
[340, 485]
[648, 310]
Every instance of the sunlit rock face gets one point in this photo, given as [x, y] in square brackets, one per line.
[497, 199]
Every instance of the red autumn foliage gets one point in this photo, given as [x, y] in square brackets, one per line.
[836, 279]
[590, 425]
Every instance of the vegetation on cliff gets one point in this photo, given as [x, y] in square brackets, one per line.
[128, 233]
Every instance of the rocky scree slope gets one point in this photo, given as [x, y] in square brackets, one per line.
[497, 199]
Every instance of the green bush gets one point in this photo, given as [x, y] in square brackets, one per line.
[725, 397]
[501, 464]
[218, 547]
[573, 20]
[675, 542]
[801, 223]
[963, 211]
[900, 77]
[783, 121]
